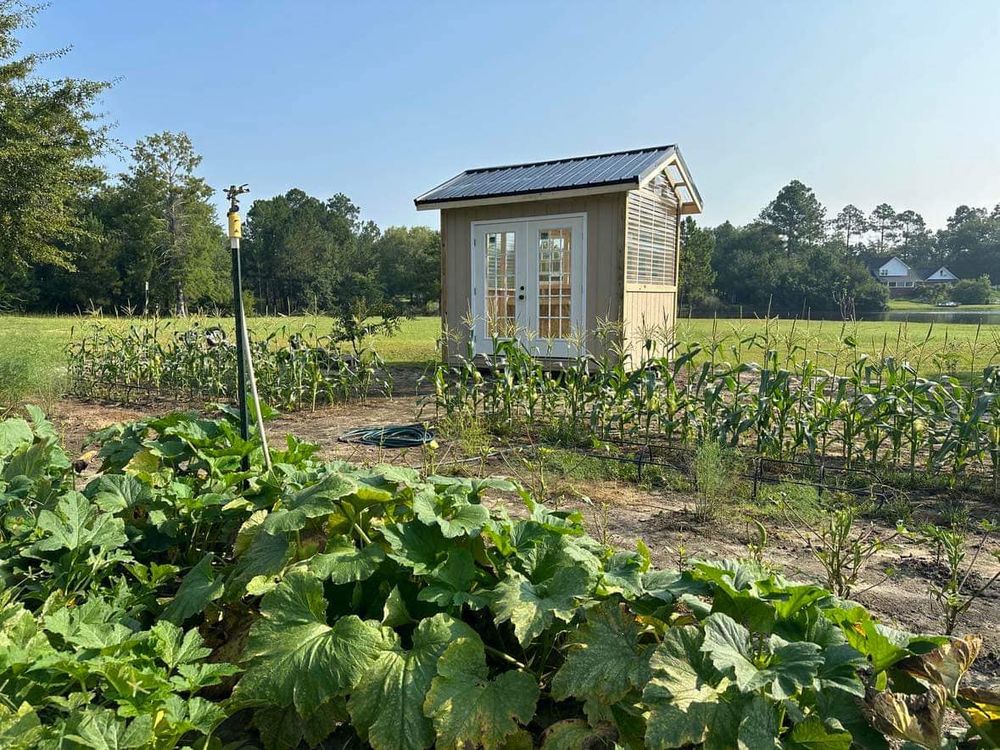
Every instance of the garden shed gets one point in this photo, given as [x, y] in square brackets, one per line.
[551, 252]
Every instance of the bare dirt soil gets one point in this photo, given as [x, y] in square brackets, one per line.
[621, 512]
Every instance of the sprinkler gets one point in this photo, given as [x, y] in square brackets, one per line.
[244, 360]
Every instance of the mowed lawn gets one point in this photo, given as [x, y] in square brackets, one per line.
[32, 348]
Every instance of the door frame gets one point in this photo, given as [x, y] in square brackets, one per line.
[527, 312]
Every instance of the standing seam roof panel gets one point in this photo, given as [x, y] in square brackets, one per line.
[602, 169]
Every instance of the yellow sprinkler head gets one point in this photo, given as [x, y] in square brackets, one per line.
[235, 226]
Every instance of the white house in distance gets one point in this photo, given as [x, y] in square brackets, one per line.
[896, 274]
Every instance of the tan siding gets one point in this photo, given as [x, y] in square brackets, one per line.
[649, 314]
[605, 253]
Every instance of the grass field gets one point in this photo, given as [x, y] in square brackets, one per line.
[32, 358]
[909, 305]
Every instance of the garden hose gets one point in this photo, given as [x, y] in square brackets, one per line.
[389, 436]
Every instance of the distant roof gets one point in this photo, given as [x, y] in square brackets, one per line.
[620, 170]
[922, 273]
[878, 261]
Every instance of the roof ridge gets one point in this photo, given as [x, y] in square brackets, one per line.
[570, 158]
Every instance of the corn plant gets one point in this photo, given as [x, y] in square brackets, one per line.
[761, 390]
[295, 369]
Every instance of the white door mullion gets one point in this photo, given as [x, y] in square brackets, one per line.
[529, 283]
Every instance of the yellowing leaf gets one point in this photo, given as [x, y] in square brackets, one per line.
[917, 718]
[947, 664]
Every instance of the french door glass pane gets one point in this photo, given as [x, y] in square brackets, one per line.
[555, 247]
[501, 283]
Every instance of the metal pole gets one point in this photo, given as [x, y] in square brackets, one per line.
[235, 232]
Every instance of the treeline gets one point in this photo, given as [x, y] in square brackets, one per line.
[303, 253]
[795, 257]
[149, 241]
[74, 238]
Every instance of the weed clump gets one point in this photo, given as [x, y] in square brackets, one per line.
[716, 479]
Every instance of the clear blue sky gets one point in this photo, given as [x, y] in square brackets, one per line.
[863, 101]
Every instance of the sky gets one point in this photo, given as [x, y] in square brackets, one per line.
[863, 101]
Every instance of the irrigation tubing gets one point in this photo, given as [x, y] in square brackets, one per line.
[389, 436]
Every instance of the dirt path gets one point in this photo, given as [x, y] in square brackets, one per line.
[621, 513]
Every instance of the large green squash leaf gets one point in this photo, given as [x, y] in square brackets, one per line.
[320, 499]
[386, 706]
[295, 658]
[760, 725]
[687, 696]
[266, 555]
[575, 734]
[864, 634]
[76, 524]
[200, 587]
[605, 658]
[344, 562]
[470, 710]
[811, 734]
[451, 511]
[20, 729]
[783, 670]
[416, 545]
[450, 584]
[116, 492]
[532, 607]
[100, 729]
[95, 624]
[14, 434]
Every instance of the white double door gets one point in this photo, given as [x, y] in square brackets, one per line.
[528, 283]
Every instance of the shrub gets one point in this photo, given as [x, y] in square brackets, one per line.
[973, 291]
[715, 478]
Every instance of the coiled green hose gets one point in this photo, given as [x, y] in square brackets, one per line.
[389, 436]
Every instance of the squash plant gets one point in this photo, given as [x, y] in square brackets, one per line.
[174, 601]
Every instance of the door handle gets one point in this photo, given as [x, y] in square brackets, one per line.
[520, 296]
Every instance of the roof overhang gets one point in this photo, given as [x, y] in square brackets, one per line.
[620, 186]
[675, 170]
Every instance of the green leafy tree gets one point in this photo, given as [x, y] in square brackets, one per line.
[850, 223]
[884, 223]
[917, 246]
[797, 216]
[170, 226]
[696, 273]
[306, 254]
[753, 269]
[93, 282]
[973, 291]
[410, 263]
[49, 136]
[970, 243]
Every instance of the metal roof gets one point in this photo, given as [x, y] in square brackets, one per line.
[621, 168]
